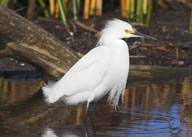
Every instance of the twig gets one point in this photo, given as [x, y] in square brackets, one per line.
[138, 24]
[4, 53]
[37, 117]
[86, 27]
[158, 47]
[189, 4]
[167, 69]
[138, 57]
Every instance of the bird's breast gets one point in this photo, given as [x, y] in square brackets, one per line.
[119, 66]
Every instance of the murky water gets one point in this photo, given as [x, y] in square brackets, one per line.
[151, 109]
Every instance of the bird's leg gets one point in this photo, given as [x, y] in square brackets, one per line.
[93, 120]
[93, 113]
[94, 107]
[86, 112]
[85, 130]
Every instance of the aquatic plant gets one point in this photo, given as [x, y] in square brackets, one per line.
[139, 10]
[190, 26]
[136, 10]
[4, 2]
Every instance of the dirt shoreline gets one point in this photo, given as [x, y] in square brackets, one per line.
[169, 26]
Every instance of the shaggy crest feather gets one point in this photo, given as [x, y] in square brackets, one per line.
[112, 27]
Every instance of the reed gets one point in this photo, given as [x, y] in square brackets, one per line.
[92, 7]
[43, 5]
[86, 9]
[30, 10]
[62, 11]
[145, 6]
[132, 9]
[139, 14]
[123, 9]
[75, 9]
[78, 4]
[190, 26]
[64, 3]
[1, 84]
[149, 9]
[56, 10]
[52, 7]
[139, 10]
[4, 2]
[127, 8]
[99, 7]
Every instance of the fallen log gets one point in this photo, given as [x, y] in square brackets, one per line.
[159, 69]
[28, 42]
[149, 72]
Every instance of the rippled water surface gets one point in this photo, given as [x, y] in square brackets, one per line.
[150, 109]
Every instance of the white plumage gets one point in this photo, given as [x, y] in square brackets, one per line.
[102, 70]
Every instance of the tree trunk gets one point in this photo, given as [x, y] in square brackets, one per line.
[30, 43]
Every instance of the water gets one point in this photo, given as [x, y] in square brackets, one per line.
[150, 109]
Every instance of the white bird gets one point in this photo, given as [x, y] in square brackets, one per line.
[103, 70]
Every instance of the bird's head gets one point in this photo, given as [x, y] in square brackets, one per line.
[121, 29]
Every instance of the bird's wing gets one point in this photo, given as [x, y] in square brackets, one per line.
[87, 73]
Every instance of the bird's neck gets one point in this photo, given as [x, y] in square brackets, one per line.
[107, 40]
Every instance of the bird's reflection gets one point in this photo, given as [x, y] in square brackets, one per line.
[49, 132]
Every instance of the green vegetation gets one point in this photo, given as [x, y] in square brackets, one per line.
[62, 11]
[190, 26]
[4, 2]
[1, 84]
[136, 10]
[139, 10]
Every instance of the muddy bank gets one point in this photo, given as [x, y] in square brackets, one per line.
[169, 26]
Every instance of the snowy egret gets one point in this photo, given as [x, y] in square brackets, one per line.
[102, 70]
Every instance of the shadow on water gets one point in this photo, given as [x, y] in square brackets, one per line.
[161, 108]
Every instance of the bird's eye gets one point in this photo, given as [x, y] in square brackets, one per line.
[129, 31]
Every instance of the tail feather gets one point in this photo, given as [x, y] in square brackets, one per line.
[51, 92]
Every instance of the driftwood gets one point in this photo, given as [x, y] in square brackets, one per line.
[159, 69]
[30, 43]
[144, 72]
[86, 27]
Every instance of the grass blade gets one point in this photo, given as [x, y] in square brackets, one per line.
[64, 3]
[132, 9]
[190, 27]
[92, 7]
[52, 6]
[123, 10]
[139, 17]
[56, 10]
[63, 16]
[145, 6]
[31, 7]
[99, 7]
[148, 18]
[42, 3]
[74, 3]
[1, 84]
[86, 9]
[127, 8]
[4, 2]
[78, 4]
